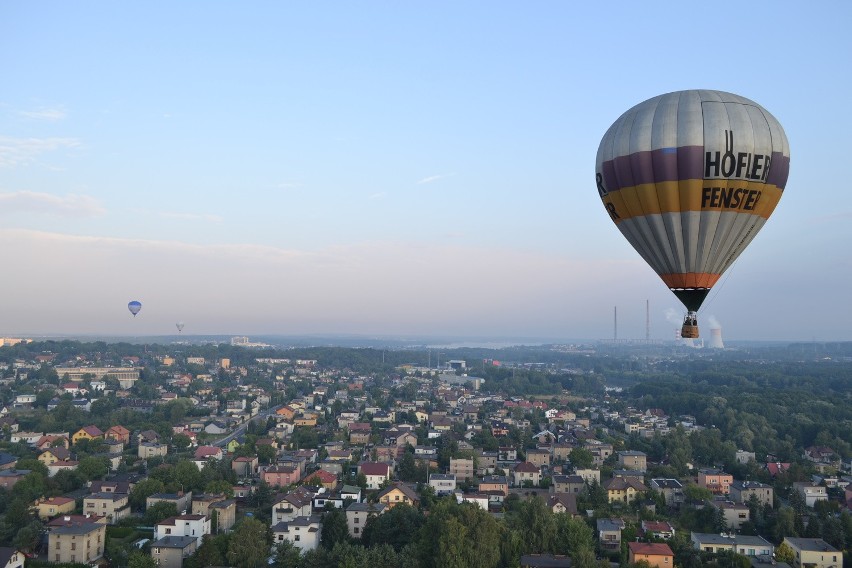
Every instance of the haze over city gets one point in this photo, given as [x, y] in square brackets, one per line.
[392, 169]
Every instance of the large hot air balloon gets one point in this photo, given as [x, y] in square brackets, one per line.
[134, 307]
[179, 326]
[689, 178]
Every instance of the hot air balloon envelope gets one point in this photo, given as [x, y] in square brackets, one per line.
[134, 307]
[690, 178]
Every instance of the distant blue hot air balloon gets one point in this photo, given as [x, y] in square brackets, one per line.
[134, 307]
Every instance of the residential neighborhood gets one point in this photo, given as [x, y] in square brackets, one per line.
[106, 455]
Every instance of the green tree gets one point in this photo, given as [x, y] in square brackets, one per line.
[159, 511]
[581, 458]
[249, 545]
[334, 528]
[91, 468]
[142, 490]
[140, 560]
[784, 553]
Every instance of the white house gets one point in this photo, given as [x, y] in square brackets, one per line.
[183, 525]
[302, 532]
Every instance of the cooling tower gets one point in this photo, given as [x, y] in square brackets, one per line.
[716, 339]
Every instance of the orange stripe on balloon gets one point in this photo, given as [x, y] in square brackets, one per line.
[690, 280]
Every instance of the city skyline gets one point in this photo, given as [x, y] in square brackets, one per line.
[391, 170]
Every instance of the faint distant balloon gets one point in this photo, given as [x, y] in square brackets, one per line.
[179, 326]
[134, 307]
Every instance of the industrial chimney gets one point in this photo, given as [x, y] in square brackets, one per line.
[716, 339]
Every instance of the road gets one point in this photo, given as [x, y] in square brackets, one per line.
[242, 427]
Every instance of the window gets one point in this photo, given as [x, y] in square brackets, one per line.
[357, 530]
[298, 538]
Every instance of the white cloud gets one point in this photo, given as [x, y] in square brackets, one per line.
[21, 151]
[431, 179]
[50, 114]
[63, 206]
[191, 216]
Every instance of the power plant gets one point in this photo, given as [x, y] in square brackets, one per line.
[715, 339]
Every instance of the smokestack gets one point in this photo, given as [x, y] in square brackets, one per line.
[647, 320]
[716, 339]
[615, 323]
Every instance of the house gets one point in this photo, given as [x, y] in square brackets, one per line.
[118, 433]
[7, 461]
[147, 436]
[147, 450]
[494, 485]
[657, 529]
[64, 465]
[670, 489]
[568, 484]
[114, 506]
[462, 468]
[398, 494]
[182, 501]
[526, 473]
[563, 503]
[609, 534]
[298, 503]
[633, 460]
[195, 526]
[539, 457]
[814, 553]
[11, 557]
[204, 453]
[655, 554]
[9, 477]
[442, 483]
[111, 486]
[53, 506]
[244, 466]
[53, 455]
[52, 440]
[717, 481]
[281, 475]
[589, 475]
[742, 492]
[357, 515]
[810, 493]
[91, 432]
[169, 551]
[739, 543]
[222, 512]
[322, 479]
[776, 468]
[302, 532]
[376, 473]
[76, 543]
[623, 489]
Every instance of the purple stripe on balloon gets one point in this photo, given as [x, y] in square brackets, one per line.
[654, 166]
[778, 170]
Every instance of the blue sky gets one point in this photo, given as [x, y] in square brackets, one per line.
[392, 168]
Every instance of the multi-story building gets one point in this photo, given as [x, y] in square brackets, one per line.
[442, 483]
[670, 489]
[462, 468]
[302, 532]
[169, 551]
[357, 515]
[655, 554]
[114, 506]
[634, 460]
[810, 493]
[814, 553]
[739, 543]
[76, 543]
[195, 526]
[717, 481]
[742, 491]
